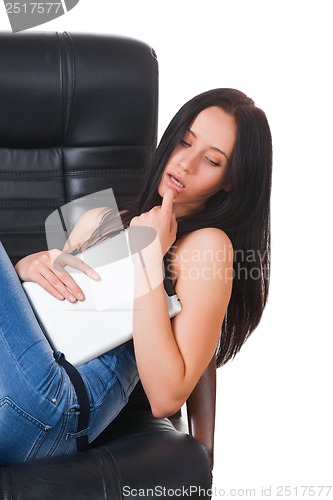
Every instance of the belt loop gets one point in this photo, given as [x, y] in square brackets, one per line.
[82, 396]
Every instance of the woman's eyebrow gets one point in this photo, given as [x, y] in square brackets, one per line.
[220, 151]
[210, 147]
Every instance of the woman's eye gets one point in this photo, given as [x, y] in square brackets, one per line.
[185, 143]
[212, 162]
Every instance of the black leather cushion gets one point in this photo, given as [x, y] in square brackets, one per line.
[136, 454]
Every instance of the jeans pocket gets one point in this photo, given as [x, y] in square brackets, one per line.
[21, 434]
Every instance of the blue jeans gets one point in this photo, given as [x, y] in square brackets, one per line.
[38, 405]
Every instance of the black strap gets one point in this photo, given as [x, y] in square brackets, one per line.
[82, 396]
[168, 286]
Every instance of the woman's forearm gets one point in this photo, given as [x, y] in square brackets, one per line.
[160, 363]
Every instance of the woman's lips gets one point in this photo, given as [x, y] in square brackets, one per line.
[175, 183]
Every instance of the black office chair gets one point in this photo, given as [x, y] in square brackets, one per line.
[78, 114]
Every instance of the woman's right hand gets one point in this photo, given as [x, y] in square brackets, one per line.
[47, 270]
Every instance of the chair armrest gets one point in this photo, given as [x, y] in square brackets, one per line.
[201, 407]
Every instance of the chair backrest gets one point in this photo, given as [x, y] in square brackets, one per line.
[78, 114]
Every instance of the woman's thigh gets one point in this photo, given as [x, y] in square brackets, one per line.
[36, 397]
[20, 332]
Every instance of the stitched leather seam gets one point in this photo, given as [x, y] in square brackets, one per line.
[12, 204]
[68, 65]
[72, 173]
[23, 229]
[68, 173]
[30, 175]
[31, 203]
[72, 81]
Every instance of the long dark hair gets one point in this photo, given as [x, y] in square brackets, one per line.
[243, 212]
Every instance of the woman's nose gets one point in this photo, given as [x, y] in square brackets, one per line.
[188, 160]
[187, 164]
[182, 165]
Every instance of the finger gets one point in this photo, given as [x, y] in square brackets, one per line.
[72, 291]
[173, 224]
[52, 290]
[167, 202]
[65, 259]
[61, 285]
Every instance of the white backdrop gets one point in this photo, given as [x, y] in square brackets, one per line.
[274, 409]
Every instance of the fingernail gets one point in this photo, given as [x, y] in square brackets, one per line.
[60, 297]
[71, 298]
[80, 296]
[95, 276]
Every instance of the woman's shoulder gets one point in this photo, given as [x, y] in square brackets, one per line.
[206, 238]
[201, 253]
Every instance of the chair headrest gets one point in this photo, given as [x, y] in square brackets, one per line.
[76, 89]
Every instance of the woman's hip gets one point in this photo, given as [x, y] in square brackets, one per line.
[34, 424]
[110, 379]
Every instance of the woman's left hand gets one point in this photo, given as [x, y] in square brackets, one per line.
[162, 220]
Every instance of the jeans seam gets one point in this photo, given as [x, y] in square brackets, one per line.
[43, 429]
[60, 435]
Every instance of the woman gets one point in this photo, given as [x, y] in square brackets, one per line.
[207, 196]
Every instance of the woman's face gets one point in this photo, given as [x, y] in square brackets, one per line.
[197, 166]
